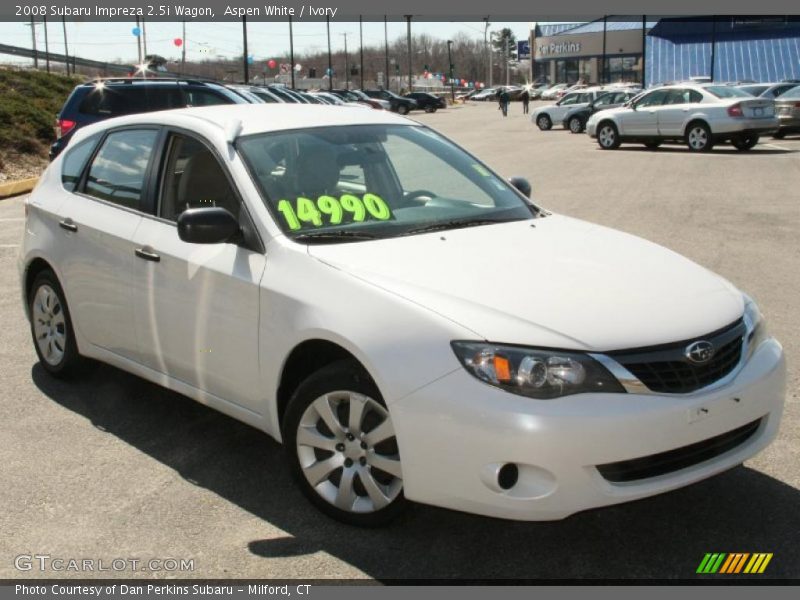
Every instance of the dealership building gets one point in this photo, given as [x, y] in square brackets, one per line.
[674, 49]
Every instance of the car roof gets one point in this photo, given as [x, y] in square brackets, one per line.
[256, 118]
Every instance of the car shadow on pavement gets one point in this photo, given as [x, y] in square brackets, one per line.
[717, 150]
[664, 537]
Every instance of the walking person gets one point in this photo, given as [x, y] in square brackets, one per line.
[504, 99]
[526, 100]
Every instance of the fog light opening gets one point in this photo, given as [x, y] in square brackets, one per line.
[507, 476]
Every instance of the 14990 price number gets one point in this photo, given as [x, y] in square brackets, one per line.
[329, 210]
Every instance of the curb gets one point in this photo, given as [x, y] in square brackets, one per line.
[14, 188]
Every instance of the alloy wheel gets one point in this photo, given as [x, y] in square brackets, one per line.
[348, 453]
[607, 136]
[575, 125]
[698, 138]
[49, 325]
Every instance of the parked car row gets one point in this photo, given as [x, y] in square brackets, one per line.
[699, 114]
[106, 98]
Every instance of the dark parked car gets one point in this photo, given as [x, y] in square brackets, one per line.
[361, 98]
[575, 120]
[427, 102]
[105, 98]
[787, 109]
[397, 104]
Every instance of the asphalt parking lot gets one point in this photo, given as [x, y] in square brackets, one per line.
[111, 466]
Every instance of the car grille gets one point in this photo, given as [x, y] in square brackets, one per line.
[666, 369]
[680, 458]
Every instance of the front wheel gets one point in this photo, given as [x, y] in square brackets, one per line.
[402, 109]
[746, 142]
[430, 109]
[342, 448]
[608, 136]
[698, 138]
[51, 327]
[576, 125]
[544, 122]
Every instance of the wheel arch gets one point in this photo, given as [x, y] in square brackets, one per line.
[694, 119]
[305, 358]
[32, 269]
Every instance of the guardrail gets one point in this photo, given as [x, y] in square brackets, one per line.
[61, 58]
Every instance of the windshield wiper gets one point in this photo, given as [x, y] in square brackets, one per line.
[333, 236]
[454, 224]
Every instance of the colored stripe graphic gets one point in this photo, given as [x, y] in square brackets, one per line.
[734, 563]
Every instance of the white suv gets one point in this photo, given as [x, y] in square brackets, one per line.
[546, 116]
[363, 290]
[699, 115]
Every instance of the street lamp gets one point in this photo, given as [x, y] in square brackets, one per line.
[450, 62]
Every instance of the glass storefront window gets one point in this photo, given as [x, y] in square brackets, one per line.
[623, 69]
[567, 70]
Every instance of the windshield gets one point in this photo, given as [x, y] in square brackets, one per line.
[726, 91]
[374, 181]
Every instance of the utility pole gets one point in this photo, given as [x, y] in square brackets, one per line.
[450, 62]
[408, 37]
[506, 54]
[66, 48]
[605, 26]
[139, 40]
[346, 64]
[330, 57]
[361, 49]
[244, 40]
[386, 46]
[144, 37]
[183, 47]
[33, 41]
[487, 57]
[491, 60]
[644, 51]
[46, 44]
[291, 50]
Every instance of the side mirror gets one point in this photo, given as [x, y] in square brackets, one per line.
[212, 225]
[522, 184]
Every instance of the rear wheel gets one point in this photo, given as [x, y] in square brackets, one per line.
[698, 137]
[544, 122]
[51, 327]
[342, 448]
[779, 135]
[745, 142]
[576, 125]
[608, 136]
[402, 109]
[430, 109]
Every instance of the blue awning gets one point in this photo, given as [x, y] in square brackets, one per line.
[765, 51]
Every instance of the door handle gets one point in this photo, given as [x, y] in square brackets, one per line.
[147, 255]
[68, 225]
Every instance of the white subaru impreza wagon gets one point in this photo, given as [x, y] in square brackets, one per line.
[406, 322]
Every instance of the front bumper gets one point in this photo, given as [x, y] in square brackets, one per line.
[455, 433]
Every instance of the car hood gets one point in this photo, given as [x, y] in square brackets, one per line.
[552, 282]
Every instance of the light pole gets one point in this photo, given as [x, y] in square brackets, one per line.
[386, 46]
[346, 66]
[450, 77]
[487, 57]
[408, 37]
[330, 58]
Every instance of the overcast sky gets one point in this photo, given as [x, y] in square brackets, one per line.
[115, 41]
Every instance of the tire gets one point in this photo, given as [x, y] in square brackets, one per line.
[324, 452]
[51, 327]
[575, 125]
[608, 136]
[652, 145]
[745, 143]
[430, 109]
[698, 137]
[544, 122]
[779, 135]
[402, 109]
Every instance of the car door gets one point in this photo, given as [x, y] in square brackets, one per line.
[98, 221]
[674, 112]
[642, 118]
[197, 305]
[568, 102]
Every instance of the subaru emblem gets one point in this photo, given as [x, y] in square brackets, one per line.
[699, 352]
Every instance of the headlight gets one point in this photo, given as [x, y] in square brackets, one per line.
[537, 373]
[755, 323]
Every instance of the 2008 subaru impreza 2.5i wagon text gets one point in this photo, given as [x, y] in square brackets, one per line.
[405, 321]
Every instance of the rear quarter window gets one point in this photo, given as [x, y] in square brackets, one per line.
[75, 160]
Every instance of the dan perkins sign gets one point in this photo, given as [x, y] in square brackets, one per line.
[558, 48]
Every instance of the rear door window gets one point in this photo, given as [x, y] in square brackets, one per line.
[119, 169]
[204, 97]
[74, 160]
